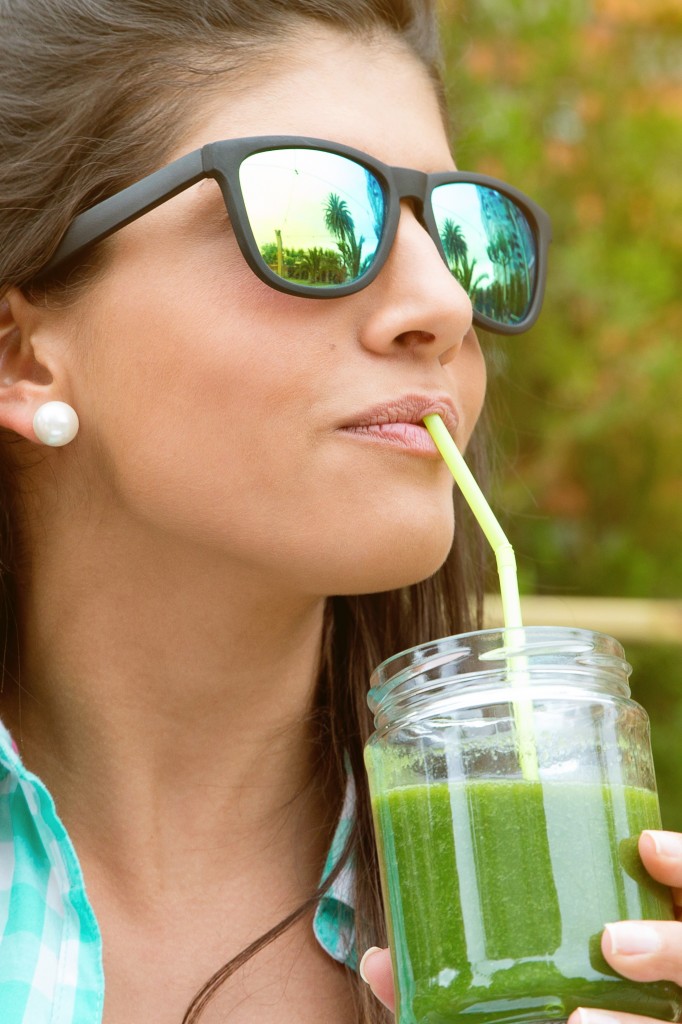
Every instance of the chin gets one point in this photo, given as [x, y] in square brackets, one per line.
[401, 566]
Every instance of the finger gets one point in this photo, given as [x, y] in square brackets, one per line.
[376, 969]
[587, 1016]
[645, 950]
[661, 854]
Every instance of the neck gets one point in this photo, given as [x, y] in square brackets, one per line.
[165, 693]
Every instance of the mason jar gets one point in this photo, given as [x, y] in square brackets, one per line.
[511, 775]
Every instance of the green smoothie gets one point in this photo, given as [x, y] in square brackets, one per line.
[497, 893]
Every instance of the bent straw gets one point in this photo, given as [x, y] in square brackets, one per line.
[506, 568]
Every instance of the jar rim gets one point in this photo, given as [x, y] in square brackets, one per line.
[460, 659]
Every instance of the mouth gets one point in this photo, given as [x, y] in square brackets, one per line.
[399, 423]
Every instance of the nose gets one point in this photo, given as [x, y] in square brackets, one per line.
[415, 304]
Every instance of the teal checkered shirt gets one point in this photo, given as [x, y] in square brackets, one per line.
[50, 942]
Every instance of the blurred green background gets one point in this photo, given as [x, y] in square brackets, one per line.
[578, 103]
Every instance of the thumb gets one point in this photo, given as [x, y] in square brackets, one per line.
[376, 969]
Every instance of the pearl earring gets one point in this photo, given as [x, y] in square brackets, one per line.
[55, 423]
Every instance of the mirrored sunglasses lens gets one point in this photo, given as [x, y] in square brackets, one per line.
[317, 217]
[489, 247]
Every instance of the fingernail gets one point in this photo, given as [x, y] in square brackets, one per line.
[667, 844]
[365, 957]
[632, 938]
[595, 1017]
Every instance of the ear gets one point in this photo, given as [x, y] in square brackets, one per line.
[25, 384]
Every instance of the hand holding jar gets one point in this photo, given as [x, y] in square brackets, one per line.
[516, 817]
[640, 950]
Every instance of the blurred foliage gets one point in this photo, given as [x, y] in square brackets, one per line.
[578, 103]
[656, 685]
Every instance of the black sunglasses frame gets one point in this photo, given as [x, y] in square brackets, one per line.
[222, 160]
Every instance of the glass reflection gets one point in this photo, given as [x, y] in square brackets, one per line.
[317, 217]
[489, 247]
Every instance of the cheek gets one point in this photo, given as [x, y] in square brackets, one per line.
[468, 372]
[202, 421]
[197, 411]
[384, 554]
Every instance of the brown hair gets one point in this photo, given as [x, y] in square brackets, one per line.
[94, 94]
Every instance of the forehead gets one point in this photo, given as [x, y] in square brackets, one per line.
[371, 93]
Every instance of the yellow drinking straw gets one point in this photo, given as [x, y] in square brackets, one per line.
[506, 568]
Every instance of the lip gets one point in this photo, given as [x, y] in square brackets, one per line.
[399, 422]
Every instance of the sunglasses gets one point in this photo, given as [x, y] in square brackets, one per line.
[318, 219]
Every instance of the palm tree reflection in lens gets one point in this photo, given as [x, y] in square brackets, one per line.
[328, 201]
[340, 223]
[457, 255]
[499, 234]
[333, 210]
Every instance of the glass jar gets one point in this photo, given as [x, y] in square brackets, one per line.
[511, 775]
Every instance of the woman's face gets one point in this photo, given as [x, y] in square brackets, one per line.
[217, 411]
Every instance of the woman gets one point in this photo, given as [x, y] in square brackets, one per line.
[232, 513]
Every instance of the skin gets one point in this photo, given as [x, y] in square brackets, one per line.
[640, 950]
[183, 545]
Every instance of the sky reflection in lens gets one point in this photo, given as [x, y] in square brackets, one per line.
[489, 248]
[316, 216]
[317, 219]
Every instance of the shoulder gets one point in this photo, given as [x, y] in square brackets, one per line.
[50, 945]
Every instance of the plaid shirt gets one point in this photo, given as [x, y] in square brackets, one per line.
[50, 942]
